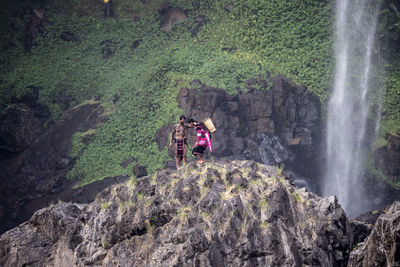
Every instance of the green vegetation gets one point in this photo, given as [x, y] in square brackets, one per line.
[105, 243]
[139, 196]
[238, 41]
[279, 169]
[263, 203]
[105, 205]
[264, 224]
[391, 101]
[381, 142]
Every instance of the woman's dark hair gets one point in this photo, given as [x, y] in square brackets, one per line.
[191, 120]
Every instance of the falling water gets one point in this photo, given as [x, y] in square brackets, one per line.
[349, 106]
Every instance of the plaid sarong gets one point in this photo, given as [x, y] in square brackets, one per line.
[180, 148]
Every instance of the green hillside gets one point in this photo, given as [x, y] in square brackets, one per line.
[293, 38]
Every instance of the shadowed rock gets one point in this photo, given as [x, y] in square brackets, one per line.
[387, 157]
[69, 37]
[382, 247]
[37, 176]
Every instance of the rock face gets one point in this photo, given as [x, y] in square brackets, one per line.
[382, 247]
[35, 177]
[22, 123]
[218, 214]
[19, 127]
[387, 158]
[171, 17]
[267, 126]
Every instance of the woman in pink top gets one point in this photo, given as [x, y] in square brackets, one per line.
[203, 140]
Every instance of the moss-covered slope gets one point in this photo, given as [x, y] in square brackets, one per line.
[137, 70]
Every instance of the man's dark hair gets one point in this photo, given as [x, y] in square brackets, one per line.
[182, 117]
[191, 120]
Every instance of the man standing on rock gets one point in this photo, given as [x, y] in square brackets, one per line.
[178, 136]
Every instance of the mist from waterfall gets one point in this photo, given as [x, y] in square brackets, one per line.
[348, 107]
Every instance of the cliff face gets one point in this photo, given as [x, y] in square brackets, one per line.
[382, 246]
[387, 157]
[281, 124]
[236, 213]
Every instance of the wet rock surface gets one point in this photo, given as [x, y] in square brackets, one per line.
[382, 247]
[236, 213]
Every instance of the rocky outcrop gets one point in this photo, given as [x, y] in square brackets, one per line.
[37, 24]
[360, 230]
[387, 157]
[36, 176]
[172, 17]
[218, 214]
[382, 247]
[269, 126]
[22, 123]
[69, 37]
[19, 128]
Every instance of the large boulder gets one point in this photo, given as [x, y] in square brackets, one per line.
[221, 214]
[382, 247]
[271, 126]
[172, 17]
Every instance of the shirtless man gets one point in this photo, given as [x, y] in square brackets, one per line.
[178, 136]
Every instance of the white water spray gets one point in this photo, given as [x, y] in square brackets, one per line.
[348, 107]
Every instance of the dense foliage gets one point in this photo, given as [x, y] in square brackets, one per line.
[138, 87]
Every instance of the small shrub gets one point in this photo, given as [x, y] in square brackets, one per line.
[105, 206]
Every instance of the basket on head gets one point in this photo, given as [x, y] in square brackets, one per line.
[209, 124]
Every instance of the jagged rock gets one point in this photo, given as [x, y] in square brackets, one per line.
[171, 17]
[360, 230]
[139, 171]
[382, 247]
[218, 214]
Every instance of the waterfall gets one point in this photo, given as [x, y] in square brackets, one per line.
[348, 107]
